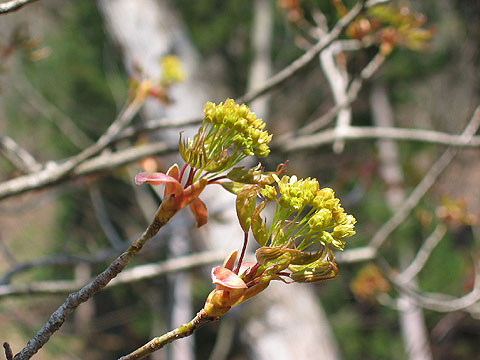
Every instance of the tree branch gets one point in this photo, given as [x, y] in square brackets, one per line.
[434, 301]
[159, 342]
[370, 132]
[18, 156]
[104, 162]
[58, 172]
[13, 5]
[138, 273]
[75, 299]
[51, 112]
[109, 161]
[57, 260]
[423, 254]
[370, 251]
[8, 351]
[428, 180]
[306, 58]
[352, 93]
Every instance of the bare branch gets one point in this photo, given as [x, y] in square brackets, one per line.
[61, 171]
[138, 273]
[76, 298]
[369, 252]
[353, 91]
[6, 252]
[337, 77]
[110, 161]
[412, 320]
[103, 219]
[428, 180]
[364, 253]
[182, 331]
[306, 58]
[434, 301]
[369, 132]
[57, 260]
[19, 157]
[51, 112]
[371, 3]
[104, 162]
[423, 254]
[13, 5]
[155, 124]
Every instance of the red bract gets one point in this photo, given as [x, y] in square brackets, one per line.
[233, 289]
[176, 194]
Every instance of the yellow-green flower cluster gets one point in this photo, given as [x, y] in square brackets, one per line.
[307, 215]
[229, 133]
[296, 194]
[237, 125]
[172, 70]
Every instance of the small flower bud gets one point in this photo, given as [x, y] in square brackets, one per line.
[320, 220]
[269, 192]
[343, 231]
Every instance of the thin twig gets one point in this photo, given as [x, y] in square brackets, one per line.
[18, 156]
[182, 331]
[135, 274]
[423, 254]
[75, 299]
[6, 252]
[427, 181]
[360, 254]
[56, 173]
[57, 260]
[434, 301]
[306, 58]
[352, 94]
[103, 219]
[155, 124]
[357, 133]
[50, 111]
[13, 5]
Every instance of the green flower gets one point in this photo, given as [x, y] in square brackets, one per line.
[306, 216]
[296, 193]
[228, 134]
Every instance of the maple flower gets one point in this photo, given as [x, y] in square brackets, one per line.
[309, 222]
[305, 215]
[228, 134]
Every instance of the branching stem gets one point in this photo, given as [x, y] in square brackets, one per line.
[164, 213]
